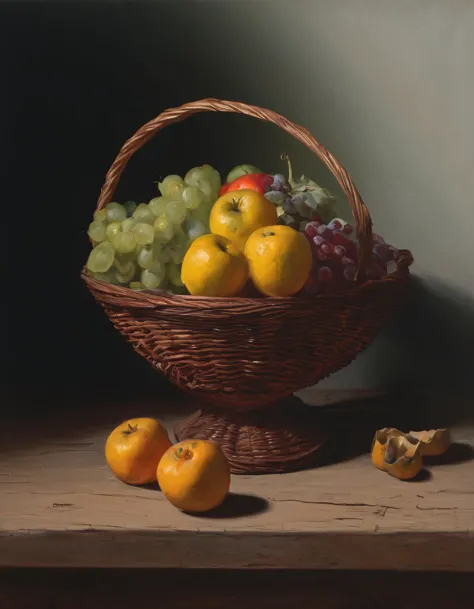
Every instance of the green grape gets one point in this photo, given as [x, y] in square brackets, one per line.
[151, 280]
[116, 212]
[174, 274]
[208, 192]
[130, 207]
[101, 258]
[123, 264]
[179, 233]
[128, 224]
[172, 186]
[145, 257]
[128, 275]
[163, 229]
[202, 213]
[124, 243]
[192, 197]
[158, 205]
[135, 285]
[160, 255]
[213, 176]
[163, 255]
[144, 214]
[196, 228]
[100, 215]
[108, 276]
[122, 261]
[176, 211]
[158, 268]
[113, 229]
[156, 247]
[177, 254]
[143, 233]
[195, 175]
[97, 231]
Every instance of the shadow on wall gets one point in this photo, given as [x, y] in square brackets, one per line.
[432, 346]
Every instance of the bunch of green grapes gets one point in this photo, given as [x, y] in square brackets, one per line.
[143, 246]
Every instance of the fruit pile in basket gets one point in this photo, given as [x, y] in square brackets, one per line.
[257, 234]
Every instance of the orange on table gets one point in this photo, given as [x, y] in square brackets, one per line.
[134, 449]
[403, 458]
[379, 445]
[194, 475]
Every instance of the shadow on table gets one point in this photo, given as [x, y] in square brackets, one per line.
[458, 452]
[237, 505]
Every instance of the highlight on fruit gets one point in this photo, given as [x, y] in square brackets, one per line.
[151, 245]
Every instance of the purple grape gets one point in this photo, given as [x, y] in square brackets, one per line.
[325, 274]
[311, 229]
[377, 239]
[334, 225]
[347, 261]
[278, 182]
[300, 205]
[340, 250]
[318, 240]
[327, 248]
[323, 231]
[350, 272]
[289, 207]
[275, 197]
[382, 252]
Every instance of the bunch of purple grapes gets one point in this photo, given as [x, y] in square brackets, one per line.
[335, 257]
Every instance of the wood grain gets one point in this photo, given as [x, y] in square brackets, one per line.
[60, 506]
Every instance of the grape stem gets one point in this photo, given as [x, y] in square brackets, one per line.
[285, 157]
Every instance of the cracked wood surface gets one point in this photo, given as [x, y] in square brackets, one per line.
[60, 506]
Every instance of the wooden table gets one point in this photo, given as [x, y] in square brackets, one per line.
[60, 506]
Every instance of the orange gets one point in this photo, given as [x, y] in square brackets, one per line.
[194, 475]
[403, 458]
[134, 449]
[434, 442]
[214, 266]
[238, 213]
[379, 445]
[279, 260]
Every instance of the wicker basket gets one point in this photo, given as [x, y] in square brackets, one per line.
[239, 355]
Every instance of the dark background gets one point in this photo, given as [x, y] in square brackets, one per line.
[80, 78]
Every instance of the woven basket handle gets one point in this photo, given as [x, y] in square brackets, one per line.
[363, 222]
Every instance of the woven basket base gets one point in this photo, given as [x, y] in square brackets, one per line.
[283, 437]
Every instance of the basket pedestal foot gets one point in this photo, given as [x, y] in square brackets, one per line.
[283, 437]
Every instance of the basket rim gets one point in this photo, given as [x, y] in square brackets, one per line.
[147, 298]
